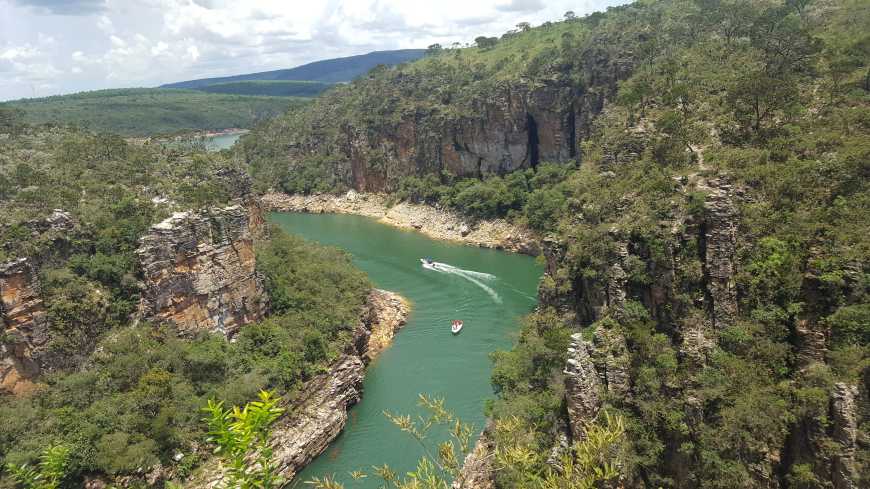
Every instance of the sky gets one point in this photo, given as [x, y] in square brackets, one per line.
[50, 47]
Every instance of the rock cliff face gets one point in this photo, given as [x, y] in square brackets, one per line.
[581, 386]
[515, 127]
[199, 271]
[478, 468]
[25, 326]
[319, 413]
[718, 245]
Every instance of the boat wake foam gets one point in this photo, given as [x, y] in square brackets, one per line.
[470, 275]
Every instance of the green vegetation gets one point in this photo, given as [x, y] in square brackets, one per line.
[48, 474]
[587, 464]
[152, 111]
[124, 396]
[766, 102]
[272, 88]
[135, 404]
[242, 436]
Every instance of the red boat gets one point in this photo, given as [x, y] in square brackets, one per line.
[456, 327]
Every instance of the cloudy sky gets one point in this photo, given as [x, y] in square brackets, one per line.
[50, 47]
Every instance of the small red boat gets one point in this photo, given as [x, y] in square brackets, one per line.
[456, 327]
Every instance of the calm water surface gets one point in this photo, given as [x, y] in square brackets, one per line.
[222, 141]
[489, 290]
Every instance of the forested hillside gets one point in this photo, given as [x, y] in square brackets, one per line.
[325, 71]
[151, 111]
[124, 269]
[698, 171]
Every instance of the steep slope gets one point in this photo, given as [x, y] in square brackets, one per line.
[699, 170]
[326, 71]
[469, 112]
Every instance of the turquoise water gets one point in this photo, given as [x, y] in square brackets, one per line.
[222, 141]
[425, 357]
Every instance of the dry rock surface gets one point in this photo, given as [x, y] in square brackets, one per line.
[433, 222]
[478, 469]
[386, 313]
[200, 271]
[25, 326]
[319, 413]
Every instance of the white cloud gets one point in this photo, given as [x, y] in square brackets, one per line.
[102, 44]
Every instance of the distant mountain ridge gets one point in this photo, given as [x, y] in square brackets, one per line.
[327, 71]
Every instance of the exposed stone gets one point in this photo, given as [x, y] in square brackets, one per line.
[25, 325]
[617, 278]
[240, 188]
[433, 222]
[386, 313]
[58, 221]
[478, 468]
[718, 248]
[199, 271]
[611, 360]
[581, 386]
[561, 446]
[318, 414]
[844, 414]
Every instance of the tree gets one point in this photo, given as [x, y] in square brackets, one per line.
[570, 15]
[242, 439]
[48, 473]
[434, 49]
[524, 27]
[757, 97]
[484, 42]
[593, 462]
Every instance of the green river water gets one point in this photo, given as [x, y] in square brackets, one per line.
[425, 357]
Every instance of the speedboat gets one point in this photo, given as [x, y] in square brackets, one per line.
[456, 327]
[428, 263]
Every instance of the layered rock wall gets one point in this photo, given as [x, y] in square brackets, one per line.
[25, 325]
[581, 386]
[199, 271]
[318, 414]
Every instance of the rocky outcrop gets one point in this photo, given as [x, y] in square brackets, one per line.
[478, 469]
[199, 271]
[718, 247]
[433, 222]
[25, 325]
[581, 386]
[386, 313]
[240, 189]
[611, 359]
[317, 415]
[844, 432]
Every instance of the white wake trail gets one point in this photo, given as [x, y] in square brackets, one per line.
[470, 275]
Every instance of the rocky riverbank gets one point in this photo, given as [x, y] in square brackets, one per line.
[386, 312]
[434, 222]
[318, 414]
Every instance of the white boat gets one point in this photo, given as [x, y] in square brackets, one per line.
[456, 327]
[428, 263]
